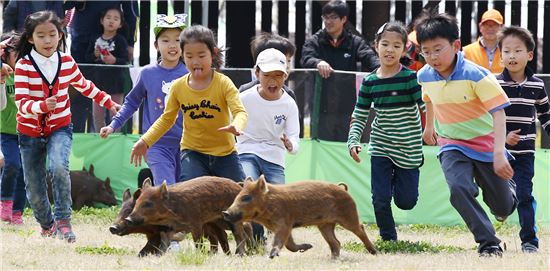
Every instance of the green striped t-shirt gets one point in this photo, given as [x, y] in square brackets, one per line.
[396, 130]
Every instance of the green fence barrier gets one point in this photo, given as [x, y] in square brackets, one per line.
[320, 160]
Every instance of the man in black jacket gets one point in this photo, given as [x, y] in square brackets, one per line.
[336, 48]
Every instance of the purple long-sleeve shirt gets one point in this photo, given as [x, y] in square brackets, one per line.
[152, 88]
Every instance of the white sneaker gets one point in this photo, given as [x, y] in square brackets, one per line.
[174, 246]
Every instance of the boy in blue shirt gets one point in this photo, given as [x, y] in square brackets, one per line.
[529, 100]
[468, 106]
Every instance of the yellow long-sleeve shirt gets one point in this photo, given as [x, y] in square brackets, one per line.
[204, 111]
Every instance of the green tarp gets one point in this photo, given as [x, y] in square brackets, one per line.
[319, 160]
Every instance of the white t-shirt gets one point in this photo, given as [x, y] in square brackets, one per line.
[267, 122]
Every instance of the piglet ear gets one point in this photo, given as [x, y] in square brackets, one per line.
[262, 184]
[137, 193]
[164, 190]
[108, 182]
[126, 194]
[147, 183]
[91, 170]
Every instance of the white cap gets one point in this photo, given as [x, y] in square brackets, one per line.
[271, 60]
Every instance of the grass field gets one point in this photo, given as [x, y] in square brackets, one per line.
[422, 247]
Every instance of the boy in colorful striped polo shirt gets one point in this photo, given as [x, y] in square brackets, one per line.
[468, 105]
[529, 101]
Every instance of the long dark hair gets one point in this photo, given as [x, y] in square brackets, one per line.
[123, 26]
[23, 46]
[202, 34]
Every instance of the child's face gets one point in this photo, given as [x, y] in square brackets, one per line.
[514, 54]
[111, 22]
[168, 45]
[45, 39]
[440, 54]
[271, 84]
[198, 59]
[390, 48]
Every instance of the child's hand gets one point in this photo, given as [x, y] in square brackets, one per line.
[429, 136]
[231, 129]
[287, 142]
[114, 109]
[324, 69]
[5, 71]
[513, 137]
[354, 152]
[138, 151]
[50, 103]
[97, 54]
[106, 131]
[109, 59]
[502, 167]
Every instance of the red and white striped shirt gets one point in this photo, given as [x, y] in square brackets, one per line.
[31, 92]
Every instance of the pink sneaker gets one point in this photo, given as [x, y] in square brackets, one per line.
[17, 218]
[65, 232]
[50, 232]
[7, 209]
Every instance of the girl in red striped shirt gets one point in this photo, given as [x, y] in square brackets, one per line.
[43, 74]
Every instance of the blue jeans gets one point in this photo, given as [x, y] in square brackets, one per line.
[254, 166]
[387, 181]
[524, 171]
[164, 163]
[195, 164]
[12, 184]
[56, 148]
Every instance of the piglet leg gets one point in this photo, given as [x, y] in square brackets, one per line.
[292, 246]
[280, 238]
[327, 230]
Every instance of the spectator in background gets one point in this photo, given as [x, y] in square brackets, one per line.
[17, 10]
[85, 24]
[84, 28]
[109, 48]
[336, 47]
[485, 51]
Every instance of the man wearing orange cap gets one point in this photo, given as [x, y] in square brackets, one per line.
[485, 51]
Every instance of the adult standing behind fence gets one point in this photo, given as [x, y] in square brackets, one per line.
[336, 48]
[484, 51]
[16, 11]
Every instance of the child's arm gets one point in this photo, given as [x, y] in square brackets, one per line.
[358, 121]
[121, 51]
[291, 137]
[240, 117]
[543, 111]
[23, 101]
[429, 136]
[157, 130]
[3, 97]
[500, 161]
[88, 89]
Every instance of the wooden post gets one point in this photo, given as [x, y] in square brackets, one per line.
[300, 35]
[375, 19]
[516, 12]
[267, 6]
[239, 30]
[282, 27]
[532, 23]
[144, 28]
[466, 22]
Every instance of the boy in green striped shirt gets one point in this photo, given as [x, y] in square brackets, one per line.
[396, 136]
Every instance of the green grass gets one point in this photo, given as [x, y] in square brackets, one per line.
[192, 256]
[402, 246]
[105, 249]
